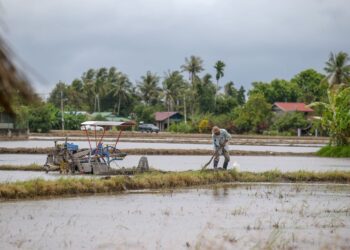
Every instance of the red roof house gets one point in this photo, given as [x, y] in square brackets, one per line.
[292, 106]
[283, 107]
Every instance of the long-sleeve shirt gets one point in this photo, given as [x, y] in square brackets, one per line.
[220, 139]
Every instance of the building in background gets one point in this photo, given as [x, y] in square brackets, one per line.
[281, 108]
[165, 119]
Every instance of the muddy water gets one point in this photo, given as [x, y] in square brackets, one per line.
[243, 163]
[127, 145]
[239, 217]
[13, 176]
[22, 159]
[182, 163]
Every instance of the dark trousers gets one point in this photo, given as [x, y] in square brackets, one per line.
[217, 158]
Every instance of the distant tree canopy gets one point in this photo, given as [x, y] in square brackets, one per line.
[196, 93]
[108, 89]
[307, 86]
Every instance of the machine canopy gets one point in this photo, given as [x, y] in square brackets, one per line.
[109, 123]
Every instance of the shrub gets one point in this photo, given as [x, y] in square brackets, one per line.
[203, 126]
[334, 151]
[42, 117]
[181, 127]
[290, 122]
[276, 133]
[99, 117]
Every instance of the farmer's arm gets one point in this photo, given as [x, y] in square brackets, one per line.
[227, 137]
[215, 143]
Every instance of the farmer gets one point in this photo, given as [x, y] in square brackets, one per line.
[220, 141]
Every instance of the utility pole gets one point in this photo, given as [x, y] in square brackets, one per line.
[62, 112]
[185, 111]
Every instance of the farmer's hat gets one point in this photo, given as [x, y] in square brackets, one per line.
[215, 130]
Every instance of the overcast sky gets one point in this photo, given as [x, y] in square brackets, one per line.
[259, 40]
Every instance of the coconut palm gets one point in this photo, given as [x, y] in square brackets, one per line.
[121, 88]
[219, 67]
[193, 66]
[172, 85]
[338, 69]
[149, 89]
[12, 83]
[89, 79]
[99, 86]
[95, 81]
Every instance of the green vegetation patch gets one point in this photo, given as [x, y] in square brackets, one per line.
[156, 180]
[31, 167]
[334, 151]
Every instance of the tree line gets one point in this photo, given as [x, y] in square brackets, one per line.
[197, 95]
[108, 89]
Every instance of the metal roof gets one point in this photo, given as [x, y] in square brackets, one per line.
[161, 116]
[109, 123]
[293, 106]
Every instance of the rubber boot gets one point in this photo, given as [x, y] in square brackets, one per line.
[225, 165]
[216, 164]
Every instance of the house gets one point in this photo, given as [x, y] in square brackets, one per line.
[283, 107]
[8, 126]
[165, 119]
[6, 121]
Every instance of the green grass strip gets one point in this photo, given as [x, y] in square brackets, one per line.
[80, 186]
[333, 151]
[30, 167]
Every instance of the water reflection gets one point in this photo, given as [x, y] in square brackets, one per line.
[220, 193]
[128, 145]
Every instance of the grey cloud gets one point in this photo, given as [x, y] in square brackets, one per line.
[258, 39]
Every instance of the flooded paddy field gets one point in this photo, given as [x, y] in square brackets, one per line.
[133, 145]
[22, 159]
[183, 163]
[203, 139]
[7, 176]
[240, 216]
[195, 162]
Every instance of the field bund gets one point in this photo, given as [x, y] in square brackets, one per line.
[38, 188]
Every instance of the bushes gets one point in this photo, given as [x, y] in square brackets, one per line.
[42, 117]
[145, 113]
[276, 133]
[254, 116]
[290, 122]
[73, 121]
[203, 126]
[334, 151]
[182, 127]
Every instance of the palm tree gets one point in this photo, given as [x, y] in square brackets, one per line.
[89, 78]
[219, 67]
[336, 116]
[168, 89]
[149, 88]
[99, 86]
[172, 85]
[230, 89]
[12, 82]
[193, 66]
[121, 88]
[338, 69]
